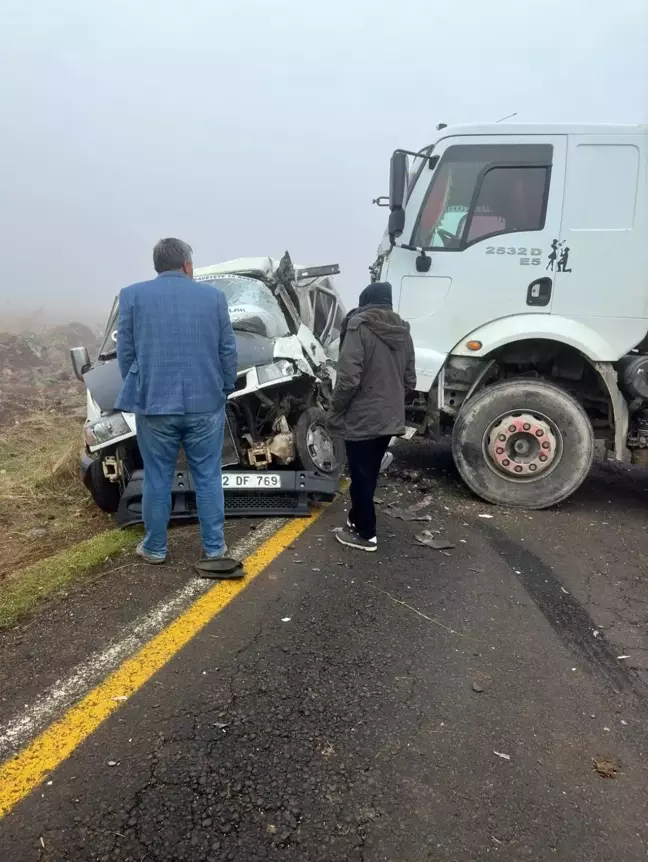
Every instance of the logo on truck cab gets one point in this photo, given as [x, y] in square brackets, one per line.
[527, 256]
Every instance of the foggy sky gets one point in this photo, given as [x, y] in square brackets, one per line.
[267, 125]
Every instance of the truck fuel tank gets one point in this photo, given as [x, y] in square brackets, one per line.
[633, 376]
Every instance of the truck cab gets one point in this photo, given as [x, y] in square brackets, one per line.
[518, 256]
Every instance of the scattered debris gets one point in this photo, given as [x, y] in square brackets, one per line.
[422, 504]
[565, 591]
[502, 755]
[473, 569]
[406, 514]
[112, 763]
[476, 687]
[328, 750]
[426, 538]
[485, 516]
[605, 767]
[286, 619]
[596, 633]
[410, 475]
[220, 725]
[620, 657]
[120, 697]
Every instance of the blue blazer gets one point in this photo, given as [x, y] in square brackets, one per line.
[175, 347]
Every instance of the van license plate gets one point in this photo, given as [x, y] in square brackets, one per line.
[251, 481]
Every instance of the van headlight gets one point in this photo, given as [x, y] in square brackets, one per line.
[105, 429]
[279, 370]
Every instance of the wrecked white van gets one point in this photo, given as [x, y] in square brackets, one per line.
[277, 452]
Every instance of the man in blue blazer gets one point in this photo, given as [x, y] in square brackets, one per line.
[177, 356]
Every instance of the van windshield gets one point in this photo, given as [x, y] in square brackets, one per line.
[252, 308]
[252, 305]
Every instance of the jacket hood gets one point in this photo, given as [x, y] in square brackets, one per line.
[385, 324]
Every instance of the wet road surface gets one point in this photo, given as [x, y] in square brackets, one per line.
[403, 706]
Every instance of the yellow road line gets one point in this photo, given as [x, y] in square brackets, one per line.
[29, 767]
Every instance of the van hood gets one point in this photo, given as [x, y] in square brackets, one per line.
[104, 382]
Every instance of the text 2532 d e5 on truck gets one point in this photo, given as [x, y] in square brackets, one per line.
[519, 255]
[277, 452]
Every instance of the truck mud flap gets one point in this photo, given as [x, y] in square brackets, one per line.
[291, 499]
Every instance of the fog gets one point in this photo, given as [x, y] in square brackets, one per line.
[266, 126]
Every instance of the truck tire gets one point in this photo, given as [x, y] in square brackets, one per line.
[523, 443]
[317, 449]
[105, 494]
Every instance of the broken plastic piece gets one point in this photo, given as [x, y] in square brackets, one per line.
[223, 567]
[406, 514]
[426, 538]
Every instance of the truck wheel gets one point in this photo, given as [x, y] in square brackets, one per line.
[317, 449]
[105, 494]
[523, 443]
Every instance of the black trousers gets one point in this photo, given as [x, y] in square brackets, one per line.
[364, 458]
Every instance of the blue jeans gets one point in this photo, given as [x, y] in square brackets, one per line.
[159, 439]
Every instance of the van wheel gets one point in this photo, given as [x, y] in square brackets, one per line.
[318, 450]
[105, 494]
[524, 443]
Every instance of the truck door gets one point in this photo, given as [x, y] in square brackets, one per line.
[490, 215]
[603, 239]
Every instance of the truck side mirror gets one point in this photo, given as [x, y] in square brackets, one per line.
[423, 262]
[80, 361]
[397, 187]
[397, 180]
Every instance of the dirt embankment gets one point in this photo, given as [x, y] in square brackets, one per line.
[36, 373]
[43, 504]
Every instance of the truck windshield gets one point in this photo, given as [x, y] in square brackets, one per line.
[252, 308]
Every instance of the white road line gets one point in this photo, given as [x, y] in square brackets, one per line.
[58, 697]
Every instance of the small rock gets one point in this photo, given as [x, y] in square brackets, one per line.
[476, 687]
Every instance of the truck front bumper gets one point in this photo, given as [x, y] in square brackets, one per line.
[289, 499]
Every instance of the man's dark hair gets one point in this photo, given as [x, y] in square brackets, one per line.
[171, 253]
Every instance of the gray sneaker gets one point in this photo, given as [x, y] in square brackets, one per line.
[149, 558]
[222, 554]
[351, 539]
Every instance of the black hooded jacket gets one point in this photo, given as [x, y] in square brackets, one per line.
[375, 370]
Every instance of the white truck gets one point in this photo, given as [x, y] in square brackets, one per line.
[519, 256]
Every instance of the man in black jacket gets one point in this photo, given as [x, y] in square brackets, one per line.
[375, 370]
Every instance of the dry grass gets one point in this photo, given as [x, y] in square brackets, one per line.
[25, 591]
[43, 504]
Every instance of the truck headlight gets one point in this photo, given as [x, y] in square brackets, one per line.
[278, 370]
[105, 429]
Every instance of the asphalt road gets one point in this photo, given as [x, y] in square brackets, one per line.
[403, 706]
